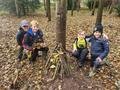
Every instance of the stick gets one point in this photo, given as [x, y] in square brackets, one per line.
[56, 70]
[50, 56]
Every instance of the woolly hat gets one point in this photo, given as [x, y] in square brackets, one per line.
[24, 23]
[98, 28]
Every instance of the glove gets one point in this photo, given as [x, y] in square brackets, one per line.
[74, 50]
[42, 44]
[105, 36]
[99, 59]
[28, 53]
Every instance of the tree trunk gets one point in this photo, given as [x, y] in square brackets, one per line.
[17, 8]
[91, 6]
[100, 12]
[24, 10]
[78, 5]
[73, 5]
[44, 1]
[111, 7]
[94, 5]
[45, 7]
[48, 10]
[61, 22]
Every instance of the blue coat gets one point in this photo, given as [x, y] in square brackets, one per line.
[30, 38]
[99, 47]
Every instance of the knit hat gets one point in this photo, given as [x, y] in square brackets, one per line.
[98, 28]
[24, 23]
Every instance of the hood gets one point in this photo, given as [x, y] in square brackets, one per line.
[30, 32]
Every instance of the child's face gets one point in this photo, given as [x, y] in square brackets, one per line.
[25, 28]
[97, 34]
[34, 28]
[81, 34]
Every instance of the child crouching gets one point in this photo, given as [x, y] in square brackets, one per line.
[24, 26]
[33, 36]
[80, 49]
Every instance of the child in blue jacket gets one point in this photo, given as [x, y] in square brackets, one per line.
[33, 35]
[99, 47]
[24, 26]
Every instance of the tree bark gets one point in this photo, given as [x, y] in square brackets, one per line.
[94, 5]
[73, 5]
[100, 12]
[44, 1]
[61, 22]
[45, 7]
[78, 5]
[17, 8]
[111, 7]
[48, 10]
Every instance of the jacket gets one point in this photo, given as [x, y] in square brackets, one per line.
[99, 47]
[30, 38]
[20, 36]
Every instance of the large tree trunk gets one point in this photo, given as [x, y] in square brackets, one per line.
[93, 8]
[100, 12]
[61, 22]
[48, 10]
[61, 65]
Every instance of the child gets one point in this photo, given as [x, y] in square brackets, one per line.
[24, 26]
[80, 50]
[99, 47]
[33, 35]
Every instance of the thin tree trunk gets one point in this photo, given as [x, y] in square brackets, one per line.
[94, 5]
[17, 8]
[48, 10]
[44, 1]
[108, 7]
[23, 10]
[91, 6]
[45, 8]
[61, 22]
[111, 8]
[100, 12]
[78, 5]
[73, 5]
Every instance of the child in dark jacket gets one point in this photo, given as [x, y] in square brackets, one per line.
[24, 25]
[80, 50]
[33, 35]
[99, 47]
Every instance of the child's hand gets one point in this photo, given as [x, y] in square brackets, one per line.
[105, 36]
[42, 44]
[74, 50]
[99, 59]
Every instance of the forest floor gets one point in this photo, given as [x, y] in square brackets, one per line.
[34, 77]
